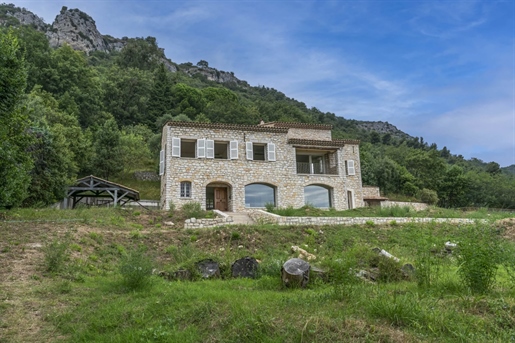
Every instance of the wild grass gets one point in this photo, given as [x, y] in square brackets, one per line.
[96, 295]
[394, 211]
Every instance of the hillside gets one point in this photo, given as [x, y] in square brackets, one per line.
[95, 104]
[66, 277]
[78, 30]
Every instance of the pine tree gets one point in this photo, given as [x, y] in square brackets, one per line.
[108, 155]
[160, 101]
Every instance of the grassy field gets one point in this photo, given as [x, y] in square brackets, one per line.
[86, 276]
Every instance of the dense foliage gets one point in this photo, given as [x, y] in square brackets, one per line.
[65, 114]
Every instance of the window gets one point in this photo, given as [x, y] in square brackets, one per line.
[259, 194]
[349, 167]
[161, 162]
[204, 148]
[220, 150]
[185, 189]
[260, 151]
[187, 148]
[317, 196]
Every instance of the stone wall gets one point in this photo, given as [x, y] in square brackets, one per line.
[266, 217]
[371, 191]
[237, 173]
[222, 219]
[417, 206]
[146, 176]
[314, 134]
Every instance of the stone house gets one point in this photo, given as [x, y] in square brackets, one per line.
[235, 168]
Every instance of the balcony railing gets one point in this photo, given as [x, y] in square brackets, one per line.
[316, 168]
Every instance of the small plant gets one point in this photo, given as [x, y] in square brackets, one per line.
[56, 253]
[393, 223]
[136, 270]
[136, 234]
[96, 237]
[193, 210]
[235, 236]
[136, 213]
[269, 207]
[370, 223]
[75, 247]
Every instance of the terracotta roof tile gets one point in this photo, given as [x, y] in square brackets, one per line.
[332, 143]
[228, 126]
[291, 125]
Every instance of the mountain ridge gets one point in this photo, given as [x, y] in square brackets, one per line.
[77, 29]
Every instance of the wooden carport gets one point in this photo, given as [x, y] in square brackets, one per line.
[95, 187]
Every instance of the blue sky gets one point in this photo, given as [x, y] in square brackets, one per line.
[443, 70]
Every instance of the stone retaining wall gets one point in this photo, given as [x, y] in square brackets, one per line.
[260, 216]
[146, 176]
[222, 219]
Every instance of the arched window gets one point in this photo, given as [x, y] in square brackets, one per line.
[317, 196]
[259, 194]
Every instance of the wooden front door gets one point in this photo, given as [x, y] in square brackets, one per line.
[221, 199]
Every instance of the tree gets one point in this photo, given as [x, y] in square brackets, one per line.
[141, 53]
[160, 101]
[75, 85]
[125, 95]
[135, 152]
[451, 192]
[44, 112]
[108, 160]
[202, 64]
[15, 161]
[375, 138]
[53, 166]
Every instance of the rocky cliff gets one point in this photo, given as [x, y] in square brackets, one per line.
[382, 128]
[79, 30]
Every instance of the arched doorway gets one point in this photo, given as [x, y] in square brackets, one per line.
[218, 196]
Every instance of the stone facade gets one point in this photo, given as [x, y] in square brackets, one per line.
[282, 174]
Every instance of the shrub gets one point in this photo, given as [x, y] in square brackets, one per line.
[389, 270]
[428, 196]
[269, 206]
[55, 254]
[136, 270]
[193, 210]
[478, 258]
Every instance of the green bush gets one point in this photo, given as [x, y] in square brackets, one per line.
[136, 270]
[193, 210]
[428, 196]
[478, 256]
[56, 253]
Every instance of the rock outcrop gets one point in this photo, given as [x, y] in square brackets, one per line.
[23, 17]
[79, 30]
[383, 128]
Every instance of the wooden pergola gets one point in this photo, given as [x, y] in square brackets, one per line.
[95, 187]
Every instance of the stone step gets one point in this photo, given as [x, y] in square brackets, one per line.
[240, 218]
